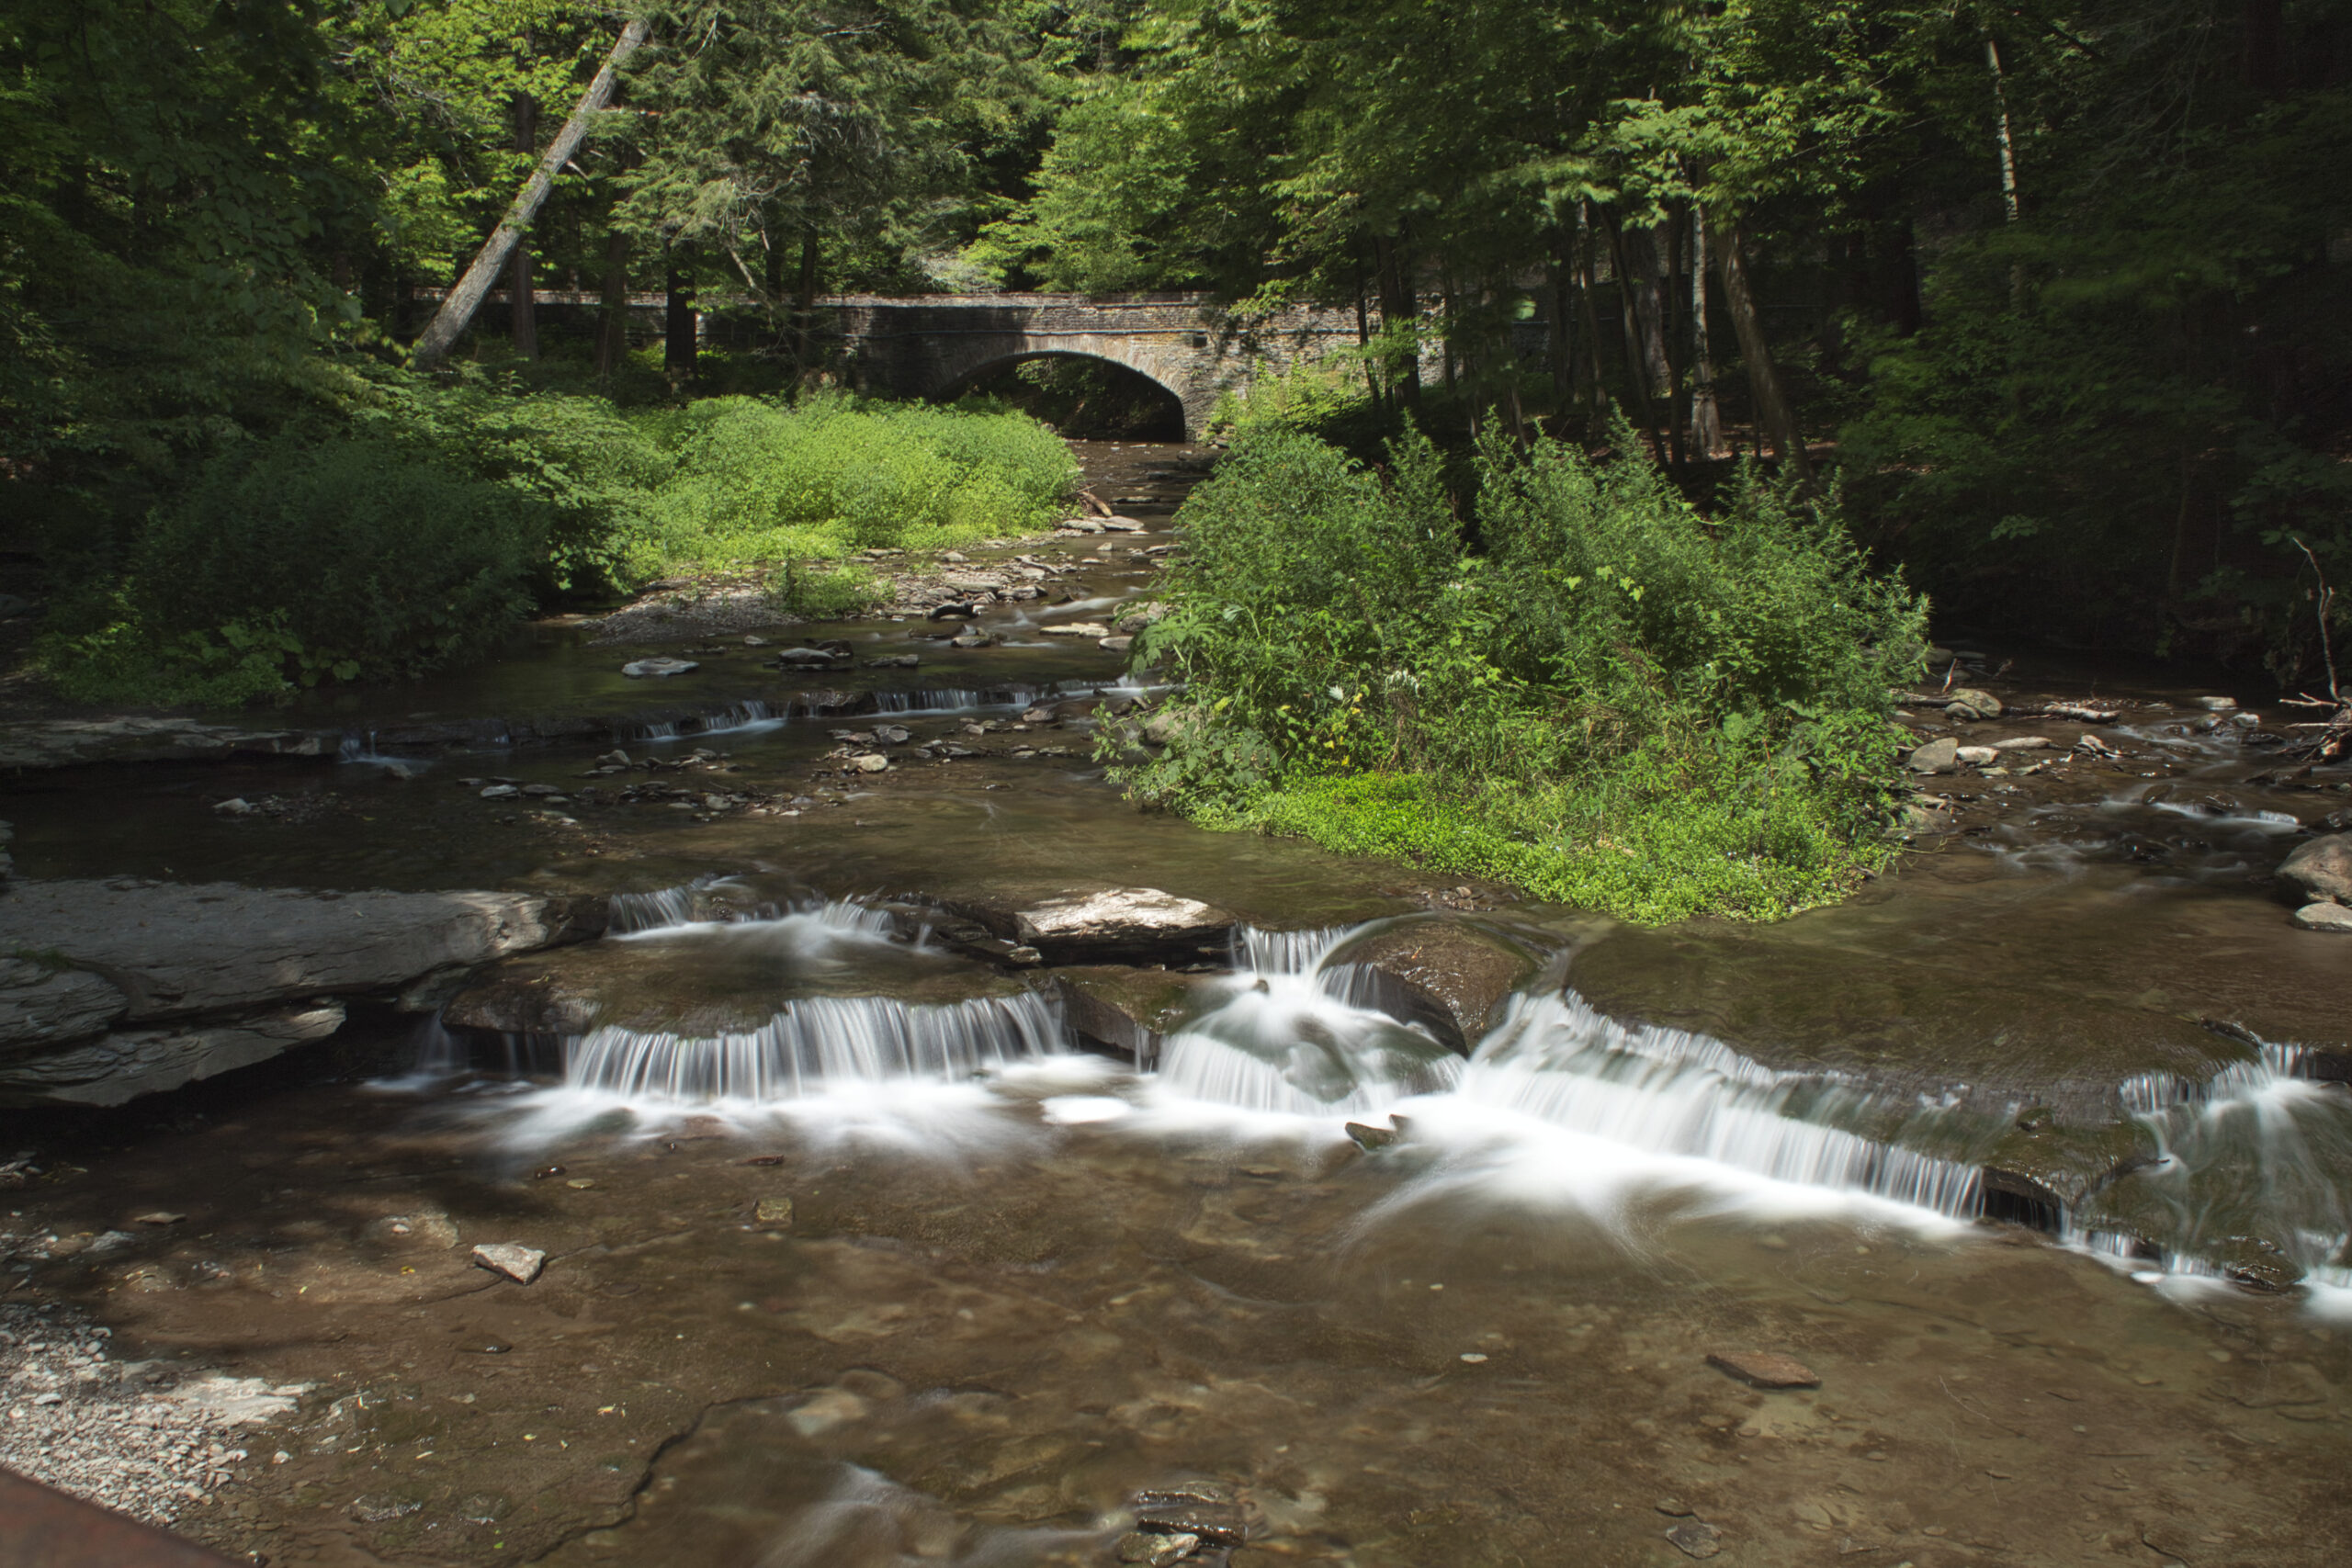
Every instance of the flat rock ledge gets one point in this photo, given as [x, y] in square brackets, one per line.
[72, 742]
[123, 987]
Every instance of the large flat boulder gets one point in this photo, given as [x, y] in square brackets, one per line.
[182, 949]
[114, 989]
[1103, 925]
[119, 1066]
[70, 742]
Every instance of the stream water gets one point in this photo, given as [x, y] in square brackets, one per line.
[860, 1256]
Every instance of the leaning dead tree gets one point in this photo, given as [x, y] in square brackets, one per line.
[457, 310]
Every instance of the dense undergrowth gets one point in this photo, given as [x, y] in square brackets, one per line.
[411, 529]
[1611, 700]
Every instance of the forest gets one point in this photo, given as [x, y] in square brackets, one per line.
[330, 357]
[2051, 290]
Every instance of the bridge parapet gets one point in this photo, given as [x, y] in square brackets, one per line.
[928, 345]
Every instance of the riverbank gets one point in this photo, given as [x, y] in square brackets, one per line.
[802, 1267]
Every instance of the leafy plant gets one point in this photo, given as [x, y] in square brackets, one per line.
[1619, 702]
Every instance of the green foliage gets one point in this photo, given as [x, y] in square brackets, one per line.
[1618, 702]
[577, 459]
[758, 480]
[293, 560]
[825, 594]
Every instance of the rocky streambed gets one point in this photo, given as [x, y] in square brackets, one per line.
[802, 1116]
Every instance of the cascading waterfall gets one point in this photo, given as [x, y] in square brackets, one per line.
[1290, 1038]
[2243, 1177]
[701, 902]
[1298, 1034]
[1669, 1091]
[816, 1041]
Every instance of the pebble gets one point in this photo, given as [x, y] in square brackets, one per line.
[774, 1212]
[142, 1447]
[519, 1263]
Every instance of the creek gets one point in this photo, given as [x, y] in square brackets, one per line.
[869, 1245]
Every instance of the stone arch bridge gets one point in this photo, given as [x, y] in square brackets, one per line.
[933, 345]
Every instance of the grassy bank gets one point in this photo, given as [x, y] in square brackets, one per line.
[1610, 700]
[411, 529]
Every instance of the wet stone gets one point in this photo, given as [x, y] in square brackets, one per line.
[1156, 1551]
[643, 668]
[2324, 918]
[1764, 1369]
[1696, 1538]
[1220, 1524]
[774, 1212]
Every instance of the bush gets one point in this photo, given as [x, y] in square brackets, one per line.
[588, 469]
[287, 559]
[756, 480]
[1618, 703]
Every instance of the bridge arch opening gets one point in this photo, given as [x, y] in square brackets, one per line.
[1083, 396]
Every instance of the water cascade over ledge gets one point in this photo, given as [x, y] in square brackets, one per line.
[814, 1042]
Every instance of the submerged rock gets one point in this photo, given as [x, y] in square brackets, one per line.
[2321, 869]
[1131, 1010]
[642, 668]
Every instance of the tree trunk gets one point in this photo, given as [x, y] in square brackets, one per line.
[1637, 368]
[680, 341]
[1706, 418]
[1399, 311]
[1667, 243]
[457, 310]
[1898, 275]
[612, 325]
[1597, 411]
[2263, 22]
[1563, 366]
[1364, 341]
[522, 304]
[2009, 202]
[1774, 416]
[804, 322]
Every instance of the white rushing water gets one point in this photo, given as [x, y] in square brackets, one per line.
[2244, 1173]
[1672, 1093]
[814, 1042]
[1299, 1035]
[1294, 1037]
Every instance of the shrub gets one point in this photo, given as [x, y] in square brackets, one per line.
[756, 480]
[291, 559]
[1618, 703]
[586, 468]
